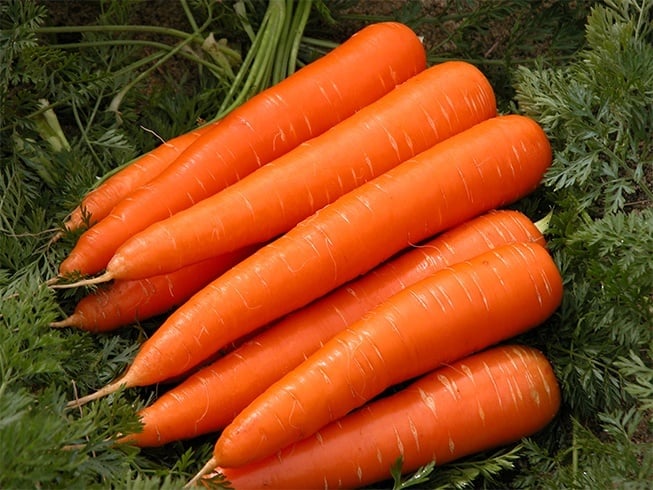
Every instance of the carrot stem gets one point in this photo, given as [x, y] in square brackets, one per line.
[255, 69]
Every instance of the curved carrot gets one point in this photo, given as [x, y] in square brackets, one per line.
[208, 400]
[304, 105]
[99, 202]
[455, 312]
[482, 402]
[495, 162]
[125, 302]
[430, 107]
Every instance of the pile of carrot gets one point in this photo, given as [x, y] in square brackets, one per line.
[347, 234]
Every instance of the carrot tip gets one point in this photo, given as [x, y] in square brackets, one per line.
[56, 237]
[72, 447]
[84, 282]
[209, 466]
[107, 390]
[70, 321]
[52, 281]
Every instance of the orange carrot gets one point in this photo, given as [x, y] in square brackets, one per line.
[211, 398]
[485, 401]
[443, 318]
[439, 102]
[307, 103]
[493, 163]
[125, 302]
[99, 202]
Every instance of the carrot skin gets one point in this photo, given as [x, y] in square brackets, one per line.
[98, 203]
[212, 397]
[488, 166]
[457, 311]
[467, 175]
[443, 100]
[304, 105]
[124, 302]
[485, 401]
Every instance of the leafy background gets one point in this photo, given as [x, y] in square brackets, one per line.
[81, 93]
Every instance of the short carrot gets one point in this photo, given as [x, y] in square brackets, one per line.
[439, 102]
[488, 166]
[304, 105]
[123, 302]
[485, 401]
[98, 203]
[208, 400]
[454, 313]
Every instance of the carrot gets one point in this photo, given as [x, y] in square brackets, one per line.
[433, 105]
[453, 313]
[304, 105]
[485, 401]
[125, 302]
[211, 398]
[485, 167]
[99, 202]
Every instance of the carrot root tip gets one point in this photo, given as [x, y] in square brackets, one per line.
[52, 281]
[66, 322]
[56, 236]
[102, 392]
[106, 277]
[207, 468]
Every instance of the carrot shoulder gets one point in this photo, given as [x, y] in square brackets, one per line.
[99, 202]
[454, 313]
[488, 166]
[482, 402]
[265, 127]
[209, 399]
[439, 102]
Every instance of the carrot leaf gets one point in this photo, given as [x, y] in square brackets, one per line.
[417, 478]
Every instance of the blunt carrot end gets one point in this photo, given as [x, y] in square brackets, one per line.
[206, 469]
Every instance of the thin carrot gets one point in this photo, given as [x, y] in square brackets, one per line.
[123, 302]
[485, 401]
[441, 101]
[208, 400]
[99, 202]
[307, 103]
[453, 313]
[493, 163]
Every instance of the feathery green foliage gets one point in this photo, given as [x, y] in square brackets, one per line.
[597, 111]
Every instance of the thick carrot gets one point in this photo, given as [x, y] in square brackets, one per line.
[208, 400]
[99, 202]
[307, 103]
[123, 302]
[485, 401]
[453, 313]
[433, 105]
[493, 163]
